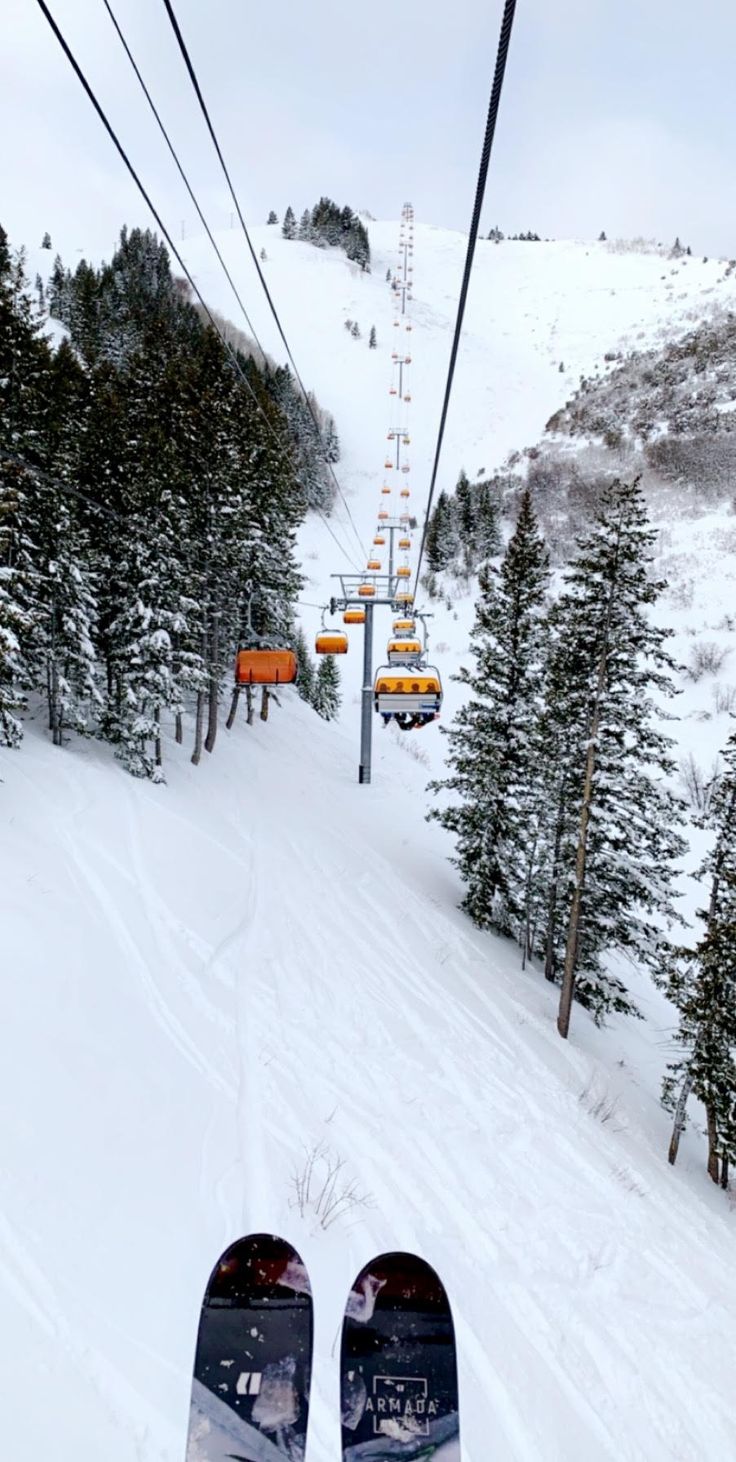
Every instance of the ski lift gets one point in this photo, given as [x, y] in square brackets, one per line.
[385, 489]
[408, 396]
[263, 662]
[388, 465]
[403, 571]
[390, 436]
[374, 564]
[405, 543]
[331, 642]
[404, 651]
[402, 627]
[406, 440]
[409, 327]
[412, 698]
[405, 597]
[406, 467]
[392, 391]
[262, 666]
[366, 591]
[405, 492]
[354, 616]
[382, 516]
[379, 540]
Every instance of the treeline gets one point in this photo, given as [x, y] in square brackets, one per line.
[328, 223]
[567, 833]
[150, 494]
[463, 529]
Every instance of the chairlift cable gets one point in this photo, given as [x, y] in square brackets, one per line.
[210, 127]
[231, 354]
[485, 157]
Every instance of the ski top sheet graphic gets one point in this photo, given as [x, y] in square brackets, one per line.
[399, 1393]
[250, 1392]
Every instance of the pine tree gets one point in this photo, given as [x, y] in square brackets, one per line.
[355, 330]
[702, 984]
[610, 829]
[263, 256]
[326, 699]
[495, 754]
[372, 341]
[46, 241]
[441, 543]
[305, 674]
[388, 276]
[602, 236]
[306, 232]
[288, 227]
[272, 218]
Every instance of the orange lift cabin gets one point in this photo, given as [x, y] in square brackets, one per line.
[265, 667]
[331, 642]
[404, 651]
[402, 627]
[411, 697]
[354, 616]
[374, 565]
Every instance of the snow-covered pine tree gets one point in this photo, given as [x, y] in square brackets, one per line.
[610, 832]
[65, 650]
[24, 360]
[702, 984]
[372, 341]
[441, 544]
[355, 330]
[326, 699]
[272, 217]
[305, 674]
[306, 232]
[494, 756]
[46, 241]
[288, 227]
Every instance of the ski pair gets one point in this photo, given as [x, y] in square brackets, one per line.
[252, 1370]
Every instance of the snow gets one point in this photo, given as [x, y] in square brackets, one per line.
[208, 980]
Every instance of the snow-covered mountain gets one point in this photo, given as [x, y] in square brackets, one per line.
[207, 982]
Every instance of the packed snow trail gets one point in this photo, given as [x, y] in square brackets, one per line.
[219, 977]
[207, 982]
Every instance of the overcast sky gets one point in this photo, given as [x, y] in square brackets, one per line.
[614, 116]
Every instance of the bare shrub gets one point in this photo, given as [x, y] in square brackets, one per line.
[322, 1188]
[410, 746]
[599, 1104]
[698, 784]
[724, 700]
[706, 658]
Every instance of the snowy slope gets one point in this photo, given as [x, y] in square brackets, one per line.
[206, 981]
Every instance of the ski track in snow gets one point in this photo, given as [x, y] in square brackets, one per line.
[214, 978]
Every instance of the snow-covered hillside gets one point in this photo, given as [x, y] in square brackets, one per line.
[208, 981]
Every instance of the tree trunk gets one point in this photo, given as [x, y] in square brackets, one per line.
[198, 726]
[230, 722]
[178, 728]
[214, 690]
[678, 1126]
[264, 703]
[714, 1169]
[249, 705]
[573, 928]
[549, 956]
[724, 1172]
[157, 737]
[199, 716]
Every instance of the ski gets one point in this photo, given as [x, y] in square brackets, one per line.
[398, 1366]
[252, 1368]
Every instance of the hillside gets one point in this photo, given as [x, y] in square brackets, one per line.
[214, 978]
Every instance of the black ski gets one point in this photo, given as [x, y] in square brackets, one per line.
[398, 1371]
[250, 1393]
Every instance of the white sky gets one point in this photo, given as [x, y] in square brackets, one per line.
[613, 116]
